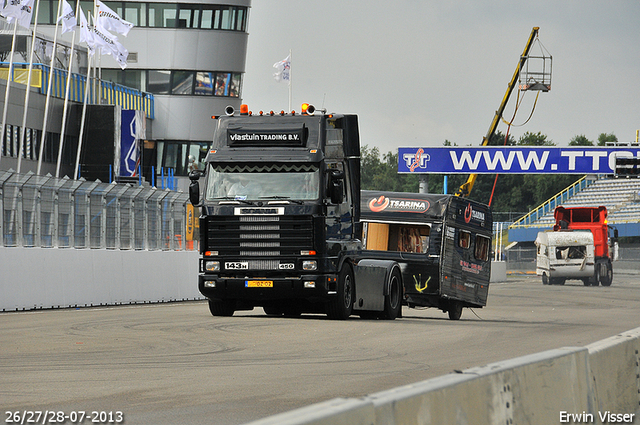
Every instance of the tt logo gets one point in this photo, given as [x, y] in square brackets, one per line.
[417, 160]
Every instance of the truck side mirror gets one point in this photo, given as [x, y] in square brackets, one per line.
[194, 187]
[337, 186]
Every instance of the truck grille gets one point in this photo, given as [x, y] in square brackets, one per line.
[259, 236]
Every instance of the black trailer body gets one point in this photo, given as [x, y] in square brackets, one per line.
[441, 242]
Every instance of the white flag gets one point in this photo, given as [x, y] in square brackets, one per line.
[110, 45]
[68, 18]
[86, 34]
[110, 20]
[20, 10]
[283, 68]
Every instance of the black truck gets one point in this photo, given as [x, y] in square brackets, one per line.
[281, 229]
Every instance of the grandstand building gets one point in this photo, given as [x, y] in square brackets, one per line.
[621, 196]
[186, 63]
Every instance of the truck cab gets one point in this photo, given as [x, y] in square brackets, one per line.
[280, 213]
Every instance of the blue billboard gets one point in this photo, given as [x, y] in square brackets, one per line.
[512, 159]
[130, 133]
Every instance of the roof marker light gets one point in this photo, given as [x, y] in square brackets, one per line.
[244, 109]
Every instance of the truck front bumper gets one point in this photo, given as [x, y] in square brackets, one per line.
[309, 287]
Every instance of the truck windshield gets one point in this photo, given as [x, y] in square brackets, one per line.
[263, 182]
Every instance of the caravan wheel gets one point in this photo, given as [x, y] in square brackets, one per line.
[455, 310]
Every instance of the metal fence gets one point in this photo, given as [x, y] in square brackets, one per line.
[43, 211]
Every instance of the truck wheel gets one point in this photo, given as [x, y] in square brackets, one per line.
[393, 301]
[455, 310]
[222, 308]
[545, 279]
[341, 306]
[607, 277]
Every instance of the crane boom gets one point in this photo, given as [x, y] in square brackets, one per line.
[465, 189]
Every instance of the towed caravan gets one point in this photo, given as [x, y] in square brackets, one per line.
[565, 254]
[441, 242]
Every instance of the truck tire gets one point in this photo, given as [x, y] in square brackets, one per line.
[393, 301]
[455, 310]
[341, 306]
[606, 278]
[222, 308]
[545, 279]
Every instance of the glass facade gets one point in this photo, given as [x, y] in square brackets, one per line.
[163, 15]
[177, 82]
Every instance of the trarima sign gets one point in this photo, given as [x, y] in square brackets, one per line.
[513, 160]
[472, 214]
[389, 204]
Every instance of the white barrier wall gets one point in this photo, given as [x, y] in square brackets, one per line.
[597, 384]
[32, 278]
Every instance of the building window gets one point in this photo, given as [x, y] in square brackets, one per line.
[162, 15]
[181, 157]
[182, 82]
[136, 13]
[189, 16]
[204, 83]
[159, 82]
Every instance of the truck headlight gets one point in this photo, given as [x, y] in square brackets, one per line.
[212, 266]
[310, 265]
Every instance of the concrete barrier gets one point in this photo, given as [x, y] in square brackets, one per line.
[498, 271]
[615, 372]
[567, 385]
[34, 278]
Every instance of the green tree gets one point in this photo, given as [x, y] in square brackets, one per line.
[537, 139]
[580, 140]
[605, 138]
[381, 173]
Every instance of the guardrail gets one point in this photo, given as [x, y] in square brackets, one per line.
[105, 93]
[47, 212]
[597, 384]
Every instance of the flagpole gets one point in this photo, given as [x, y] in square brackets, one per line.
[46, 103]
[290, 58]
[66, 99]
[84, 112]
[28, 89]
[9, 79]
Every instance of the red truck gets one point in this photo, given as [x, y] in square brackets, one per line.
[595, 220]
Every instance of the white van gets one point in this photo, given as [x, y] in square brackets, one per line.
[566, 254]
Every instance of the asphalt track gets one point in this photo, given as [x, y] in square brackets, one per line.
[175, 363]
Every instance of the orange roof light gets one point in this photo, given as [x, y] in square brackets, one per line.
[304, 108]
[244, 109]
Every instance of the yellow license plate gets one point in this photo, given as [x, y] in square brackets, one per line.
[258, 283]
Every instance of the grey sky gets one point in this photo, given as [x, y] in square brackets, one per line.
[418, 72]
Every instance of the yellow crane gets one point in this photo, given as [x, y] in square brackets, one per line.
[465, 189]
